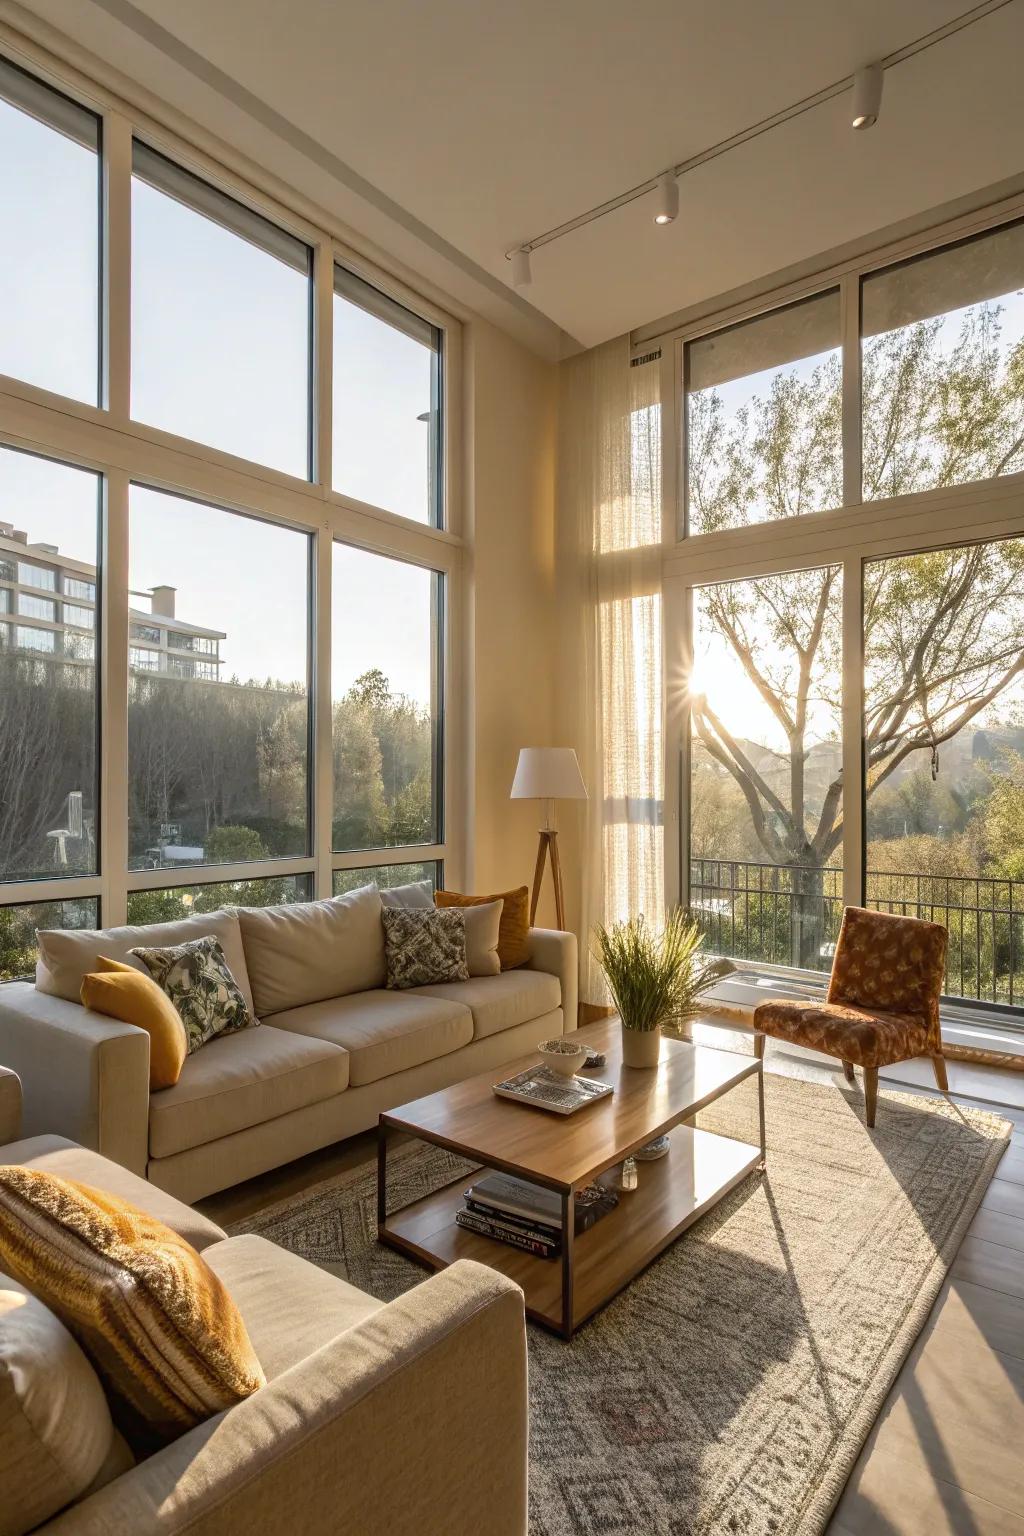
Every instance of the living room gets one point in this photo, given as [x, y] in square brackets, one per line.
[511, 768]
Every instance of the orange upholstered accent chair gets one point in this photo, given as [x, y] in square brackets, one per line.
[883, 999]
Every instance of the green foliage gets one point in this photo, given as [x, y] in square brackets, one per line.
[654, 978]
[233, 844]
[383, 746]
[17, 944]
[942, 629]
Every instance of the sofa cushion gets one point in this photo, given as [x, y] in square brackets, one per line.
[241, 1080]
[384, 1032]
[290, 1307]
[499, 1002]
[160, 1329]
[305, 951]
[53, 1154]
[55, 1425]
[68, 954]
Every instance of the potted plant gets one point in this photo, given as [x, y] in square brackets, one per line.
[654, 978]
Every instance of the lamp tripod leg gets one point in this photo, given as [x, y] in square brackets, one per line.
[538, 876]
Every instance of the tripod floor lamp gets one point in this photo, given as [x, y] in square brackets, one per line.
[548, 774]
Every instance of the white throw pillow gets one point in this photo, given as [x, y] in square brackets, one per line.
[418, 894]
[55, 1426]
[482, 927]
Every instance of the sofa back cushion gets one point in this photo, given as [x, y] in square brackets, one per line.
[307, 951]
[55, 1426]
[66, 955]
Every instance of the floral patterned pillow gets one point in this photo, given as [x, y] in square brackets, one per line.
[198, 980]
[424, 946]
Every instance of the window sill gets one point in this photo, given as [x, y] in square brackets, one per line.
[987, 1025]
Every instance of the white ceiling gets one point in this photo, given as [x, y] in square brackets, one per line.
[449, 130]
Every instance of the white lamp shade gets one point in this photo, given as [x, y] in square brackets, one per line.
[548, 773]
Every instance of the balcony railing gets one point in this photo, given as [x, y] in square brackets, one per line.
[784, 916]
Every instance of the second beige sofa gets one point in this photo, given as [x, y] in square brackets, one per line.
[335, 1047]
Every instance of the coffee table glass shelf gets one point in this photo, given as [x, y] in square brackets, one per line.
[564, 1153]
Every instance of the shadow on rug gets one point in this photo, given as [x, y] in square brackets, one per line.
[731, 1386]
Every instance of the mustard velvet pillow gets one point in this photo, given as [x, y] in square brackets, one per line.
[122, 992]
[514, 927]
[162, 1332]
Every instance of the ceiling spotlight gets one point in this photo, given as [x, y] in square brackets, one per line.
[867, 95]
[668, 198]
[522, 277]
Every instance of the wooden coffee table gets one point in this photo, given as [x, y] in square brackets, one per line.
[564, 1152]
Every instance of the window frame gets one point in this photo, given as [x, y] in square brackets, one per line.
[849, 535]
[103, 438]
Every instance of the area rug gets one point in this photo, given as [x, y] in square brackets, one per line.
[731, 1386]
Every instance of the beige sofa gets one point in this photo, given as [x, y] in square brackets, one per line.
[335, 1047]
[374, 1417]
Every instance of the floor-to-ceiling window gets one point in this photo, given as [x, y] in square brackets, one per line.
[848, 614]
[224, 624]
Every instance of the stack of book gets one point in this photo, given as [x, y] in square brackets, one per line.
[527, 1217]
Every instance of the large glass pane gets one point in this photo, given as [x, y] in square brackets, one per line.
[387, 402]
[385, 672]
[386, 876]
[944, 753]
[18, 925]
[217, 741]
[48, 780]
[764, 418]
[943, 367]
[766, 785]
[220, 320]
[50, 246]
[167, 905]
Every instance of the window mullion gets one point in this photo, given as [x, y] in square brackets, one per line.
[323, 367]
[323, 745]
[853, 732]
[117, 265]
[114, 702]
[849, 319]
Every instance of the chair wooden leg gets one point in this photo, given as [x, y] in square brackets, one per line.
[870, 1096]
[848, 1071]
[939, 1067]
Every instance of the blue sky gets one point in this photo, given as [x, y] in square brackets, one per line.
[220, 353]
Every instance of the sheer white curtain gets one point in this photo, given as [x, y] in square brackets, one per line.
[610, 531]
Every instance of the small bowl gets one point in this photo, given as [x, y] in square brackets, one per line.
[563, 1055]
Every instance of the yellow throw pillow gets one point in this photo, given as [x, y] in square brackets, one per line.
[513, 944]
[122, 992]
[164, 1336]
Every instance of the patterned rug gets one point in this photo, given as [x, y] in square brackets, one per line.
[731, 1386]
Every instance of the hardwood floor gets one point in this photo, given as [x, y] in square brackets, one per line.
[946, 1455]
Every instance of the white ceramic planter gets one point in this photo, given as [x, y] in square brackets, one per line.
[641, 1047]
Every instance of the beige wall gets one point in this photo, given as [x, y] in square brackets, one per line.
[510, 655]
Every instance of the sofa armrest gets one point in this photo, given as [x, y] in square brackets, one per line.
[10, 1106]
[554, 951]
[83, 1075]
[396, 1426]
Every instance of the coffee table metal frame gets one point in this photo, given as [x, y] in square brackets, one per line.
[392, 1231]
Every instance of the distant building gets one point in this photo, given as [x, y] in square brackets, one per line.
[48, 606]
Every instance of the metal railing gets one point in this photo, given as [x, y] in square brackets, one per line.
[781, 915]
